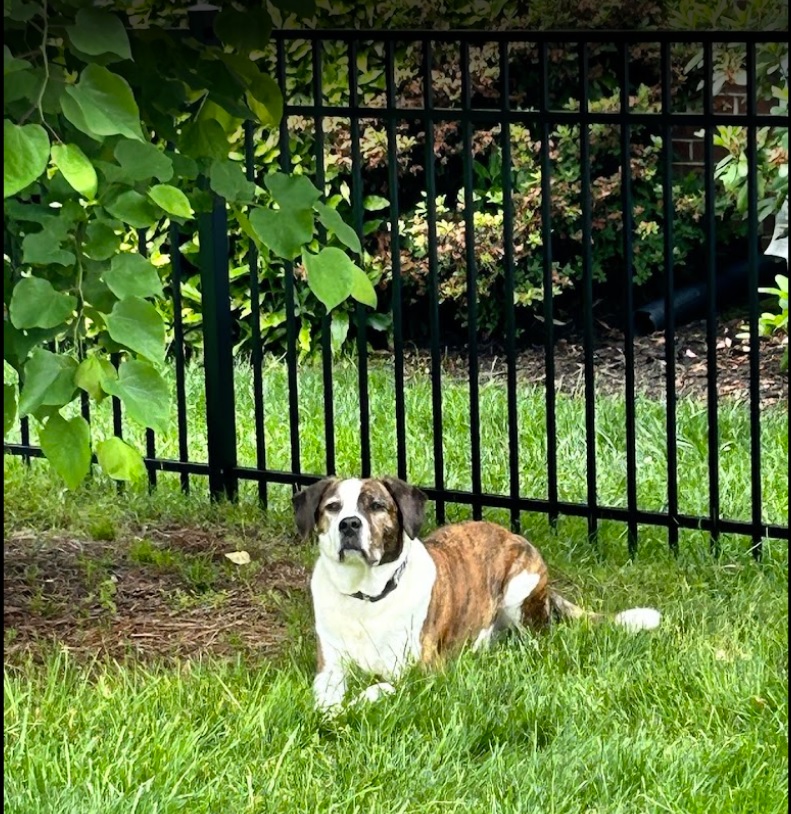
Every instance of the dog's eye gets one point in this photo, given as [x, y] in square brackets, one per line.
[335, 506]
[378, 506]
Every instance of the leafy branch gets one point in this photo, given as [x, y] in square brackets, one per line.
[120, 151]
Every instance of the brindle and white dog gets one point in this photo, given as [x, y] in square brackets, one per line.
[384, 599]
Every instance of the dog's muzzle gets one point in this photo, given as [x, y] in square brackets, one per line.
[349, 528]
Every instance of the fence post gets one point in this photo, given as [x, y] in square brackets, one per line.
[218, 350]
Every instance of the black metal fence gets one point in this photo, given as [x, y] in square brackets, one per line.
[222, 467]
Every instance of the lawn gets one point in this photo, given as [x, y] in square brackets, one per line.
[690, 718]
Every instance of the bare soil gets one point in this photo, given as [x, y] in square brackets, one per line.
[95, 598]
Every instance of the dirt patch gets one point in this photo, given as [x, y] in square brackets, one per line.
[170, 593]
[650, 365]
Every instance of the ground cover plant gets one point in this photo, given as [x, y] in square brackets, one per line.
[146, 671]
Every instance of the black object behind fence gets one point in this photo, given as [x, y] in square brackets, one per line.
[222, 469]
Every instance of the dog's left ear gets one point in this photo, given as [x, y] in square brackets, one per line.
[411, 504]
[306, 504]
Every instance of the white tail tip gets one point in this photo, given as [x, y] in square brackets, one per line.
[639, 619]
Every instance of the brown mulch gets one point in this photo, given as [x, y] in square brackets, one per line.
[92, 599]
[691, 374]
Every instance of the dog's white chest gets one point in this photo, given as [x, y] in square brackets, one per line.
[379, 637]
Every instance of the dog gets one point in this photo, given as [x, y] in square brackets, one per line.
[384, 599]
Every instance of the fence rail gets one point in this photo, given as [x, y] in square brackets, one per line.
[222, 468]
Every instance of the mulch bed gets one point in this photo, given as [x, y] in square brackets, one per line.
[57, 590]
[691, 374]
[55, 594]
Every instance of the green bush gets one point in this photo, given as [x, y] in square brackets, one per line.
[608, 261]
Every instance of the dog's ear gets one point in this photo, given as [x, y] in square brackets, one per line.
[306, 504]
[411, 504]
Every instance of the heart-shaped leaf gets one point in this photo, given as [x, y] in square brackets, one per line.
[67, 446]
[292, 192]
[144, 392]
[106, 104]
[131, 275]
[48, 381]
[285, 233]
[329, 275]
[334, 223]
[92, 375]
[137, 325]
[99, 32]
[36, 304]
[76, 168]
[25, 155]
[120, 461]
[227, 179]
[264, 98]
[133, 208]
[171, 199]
[141, 160]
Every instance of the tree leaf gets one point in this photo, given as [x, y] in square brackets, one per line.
[227, 179]
[329, 275]
[339, 330]
[137, 325]
[25, 155]
[373, 203]
[171, 199]
[18, 344]
[120, 461]
[67, 446]
[238, 557]
[264, 98]
[362, 288]
[101, 241]
[334, 223]
[131, 275]
[11, 64]
[99, 32]
[73, 112]
[141, 160]
[76, 168]
[48, 380]
[292, 191]
[36, 304]
[106, 104]
[145, 394]
[244, 31]
[204, 138]
[92, 374]
[43, 249]
[9, 407]
[285, 233]
[133, 208]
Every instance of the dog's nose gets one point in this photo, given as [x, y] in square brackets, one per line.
[350, 526]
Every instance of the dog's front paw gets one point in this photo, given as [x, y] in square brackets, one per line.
[375, 692]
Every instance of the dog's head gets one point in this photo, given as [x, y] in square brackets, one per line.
[360, 520]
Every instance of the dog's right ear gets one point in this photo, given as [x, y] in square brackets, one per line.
[306, 504]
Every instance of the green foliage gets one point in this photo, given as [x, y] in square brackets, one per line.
[771, 322]
[112, 122]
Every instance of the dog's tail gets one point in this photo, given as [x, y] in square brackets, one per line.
[632, 619]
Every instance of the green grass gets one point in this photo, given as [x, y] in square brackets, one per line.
[689, 719]
[692, 439]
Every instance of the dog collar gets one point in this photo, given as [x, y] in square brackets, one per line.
[391, 585]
